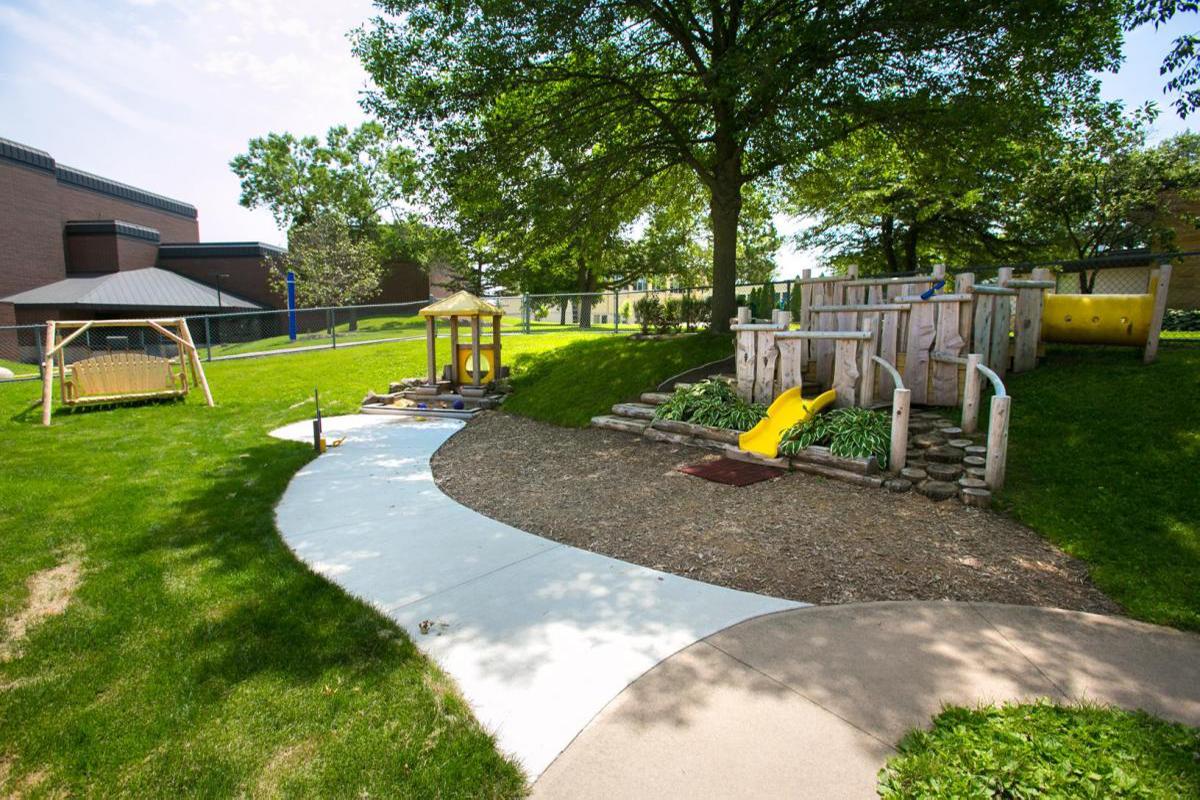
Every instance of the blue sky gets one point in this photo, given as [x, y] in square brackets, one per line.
[162, 93]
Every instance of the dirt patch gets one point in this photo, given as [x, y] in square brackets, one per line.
[282, 763]
[799, 536]
[50, 592]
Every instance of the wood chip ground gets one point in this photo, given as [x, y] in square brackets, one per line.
[800, 536]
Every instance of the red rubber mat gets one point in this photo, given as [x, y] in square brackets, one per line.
[732, 472]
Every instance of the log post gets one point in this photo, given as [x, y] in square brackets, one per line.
[901, 400]
[997, 442]
[431, 351]
[475, 376]
[197, 367]
[743, 315]
[866, 386]
[1150, 353]
[48, 374]
[455, 378]
[970, 406]
[496, 346]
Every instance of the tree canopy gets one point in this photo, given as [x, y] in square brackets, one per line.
[623, 91]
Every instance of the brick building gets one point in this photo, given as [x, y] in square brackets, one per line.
[78, 246]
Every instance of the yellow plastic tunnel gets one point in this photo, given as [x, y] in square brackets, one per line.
[1120, 319]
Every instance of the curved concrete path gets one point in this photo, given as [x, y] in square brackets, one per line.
[809, 703]
[539, 636]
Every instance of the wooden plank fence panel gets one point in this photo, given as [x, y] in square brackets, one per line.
[764, 367]
[949, 340]
[845, 374]
[889, 337]
[922, 328]
[791, 369]
[744, 361]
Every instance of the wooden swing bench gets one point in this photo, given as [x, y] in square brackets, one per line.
[120, 376]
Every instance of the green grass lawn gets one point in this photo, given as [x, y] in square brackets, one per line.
[1104, 460]
[570, 385]
[1043, 750]
[198, 656]
[381, 328]
[18, 368]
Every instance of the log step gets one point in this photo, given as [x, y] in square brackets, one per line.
[634, 410]
[655, 398]
[623, 424]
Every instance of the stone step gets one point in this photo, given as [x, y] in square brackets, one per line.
[623, 424]
[655, 398]
[634, 410]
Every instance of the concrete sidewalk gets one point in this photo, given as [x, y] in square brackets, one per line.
[539, 636]
[809, 703]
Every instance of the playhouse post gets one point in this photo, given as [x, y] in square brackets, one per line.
[496, 346]
[431, 350]
[901, 400]
[970, 407]
[475, 376]
[455, 378]
[997, 442]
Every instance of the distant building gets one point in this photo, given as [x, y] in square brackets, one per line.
[78, 246]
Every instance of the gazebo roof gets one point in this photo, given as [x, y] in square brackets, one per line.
[461, 304]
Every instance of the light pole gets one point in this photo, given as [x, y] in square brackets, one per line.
[218, 276]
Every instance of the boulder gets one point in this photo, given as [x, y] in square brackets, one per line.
[6, 374]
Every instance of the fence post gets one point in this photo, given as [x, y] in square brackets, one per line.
[207, 338]
[525, 311]
[333, 326]
[901, 402]
[970, 406]
[616, 310]
[291, 305]
[997, 443]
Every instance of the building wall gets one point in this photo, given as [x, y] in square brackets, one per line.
[1185, 276]
[248, 275]
[403, 282]
[80, 204]
[31, 233]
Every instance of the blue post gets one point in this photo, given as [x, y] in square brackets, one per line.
[291, 298]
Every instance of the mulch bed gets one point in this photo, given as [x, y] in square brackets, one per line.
[798, 536]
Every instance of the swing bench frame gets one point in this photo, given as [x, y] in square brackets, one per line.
[119, 377]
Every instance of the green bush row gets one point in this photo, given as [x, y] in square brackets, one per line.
[1179, 319]
[847, 432]
[712, 403]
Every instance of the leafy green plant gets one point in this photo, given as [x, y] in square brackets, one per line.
[1045, 750]
[695, 311]
[649, 312]
[671, 315]
[847, 432]
[1180, 319]
[712, 403]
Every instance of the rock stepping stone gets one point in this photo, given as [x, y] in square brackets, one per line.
[914, 474]
[977, 472]
[938, 490]
[926, 440]
[974, 461]
[951, 432]
[980, 498]
[897, 485]
[963, 443]
[976, 450]
[920, 426]
[944, 472]
[945, 454]
[967, 482]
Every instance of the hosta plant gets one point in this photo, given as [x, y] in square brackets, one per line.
[711, 403]
[847, 432]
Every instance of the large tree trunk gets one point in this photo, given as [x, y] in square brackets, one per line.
[910, 247]
[585, 283]
[725, 209]
[887, 239]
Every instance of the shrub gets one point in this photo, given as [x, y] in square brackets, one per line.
[1179, 319]
[763, 301]
[712, 403]
[648, 311]
[671, 315]
[847, 432]
[695, 311]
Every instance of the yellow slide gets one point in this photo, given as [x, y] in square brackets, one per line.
[788, 409]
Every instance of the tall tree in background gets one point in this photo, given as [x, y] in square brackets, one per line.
[730, 89]
[332, 267]
[361, 174]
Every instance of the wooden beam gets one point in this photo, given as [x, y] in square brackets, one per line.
[496, 346]
[866, 387]
[845, 372]
[916, 299]
[863, 307]
[1027, 327]
[66, 341]
[821, 335]
[197, 367]
[48, 373]
[1150, 353]
[431, 351]
[475, 334]
[1036, 283]
[455, 378]
[1002, 291]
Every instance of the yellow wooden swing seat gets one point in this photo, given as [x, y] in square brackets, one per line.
[120, 376]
